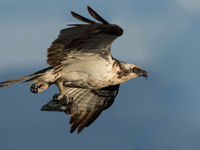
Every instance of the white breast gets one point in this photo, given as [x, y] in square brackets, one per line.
[88, 69]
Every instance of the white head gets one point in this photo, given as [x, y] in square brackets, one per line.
[130, 71]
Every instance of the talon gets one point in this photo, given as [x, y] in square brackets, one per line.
[70, 100]
[63, 104]
[38, 87]
[55, 96]
[64, 97]
[59, 97]
[34, 89]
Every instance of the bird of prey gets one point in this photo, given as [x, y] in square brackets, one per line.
[83, 69]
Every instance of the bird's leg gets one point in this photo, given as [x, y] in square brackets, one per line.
[70, 100]
[63, 102]
[61, 89]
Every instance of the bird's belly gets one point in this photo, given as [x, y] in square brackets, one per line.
[88, 74]
[87, 82]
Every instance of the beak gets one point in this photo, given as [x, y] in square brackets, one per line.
[143, 74]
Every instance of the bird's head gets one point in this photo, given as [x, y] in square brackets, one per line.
[126, 72]
[131, 71]
[139, 72]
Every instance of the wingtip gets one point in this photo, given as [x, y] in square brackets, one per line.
[80, 129]
[72, 130]
[78, 132]
[1, 85]
[89, 8]
[79, 17]
[73, 13]
[95, 15]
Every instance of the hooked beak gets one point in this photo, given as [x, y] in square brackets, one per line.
[143, 74]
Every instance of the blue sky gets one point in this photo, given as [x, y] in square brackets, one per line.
[160, 113]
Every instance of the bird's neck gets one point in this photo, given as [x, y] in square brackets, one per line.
[123, 71]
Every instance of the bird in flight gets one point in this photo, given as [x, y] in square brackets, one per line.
[83, 69]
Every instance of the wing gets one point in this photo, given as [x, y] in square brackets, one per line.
[93, 37]
[89, 105]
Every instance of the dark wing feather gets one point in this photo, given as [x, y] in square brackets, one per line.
[81, 18]
[96, 16]
[89, 103]
[83, 38]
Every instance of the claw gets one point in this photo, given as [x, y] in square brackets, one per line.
[34, 89]
[56, 105]
[55, 96]
[38, 87]
[70, 99]
[59, 97]
[64, 104]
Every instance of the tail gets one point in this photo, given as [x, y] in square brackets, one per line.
[33, 78]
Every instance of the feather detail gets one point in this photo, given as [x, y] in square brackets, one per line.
[96, 16]
[29, 78]
[81, 18]
[90, 104]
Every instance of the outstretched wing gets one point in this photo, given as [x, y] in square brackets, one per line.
[88, 105]
[93, 37]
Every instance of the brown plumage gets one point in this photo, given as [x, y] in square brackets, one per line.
[90, 104]
[83, 69]
[96, 16]
[83, 38]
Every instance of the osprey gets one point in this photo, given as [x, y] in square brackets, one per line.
[83, 69]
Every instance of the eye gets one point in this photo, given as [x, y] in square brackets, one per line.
[136, 70]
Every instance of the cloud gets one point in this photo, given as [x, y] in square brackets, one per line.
[192, 6]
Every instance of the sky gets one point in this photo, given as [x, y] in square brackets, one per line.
[159, 113]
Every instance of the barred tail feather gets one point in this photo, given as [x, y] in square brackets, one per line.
[13, 81]
[30, 78]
